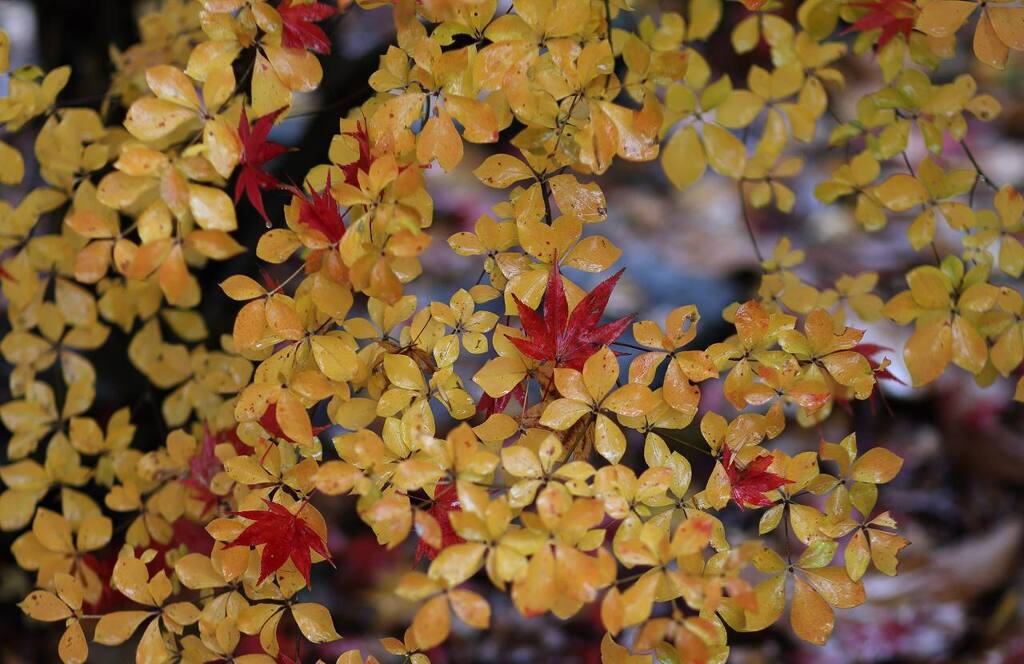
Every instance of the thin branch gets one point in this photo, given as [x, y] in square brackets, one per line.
[977, 168]
[746, 222]
[628, 345]
[910, 168]
[906, 160]
[608, 23]
[685, 443]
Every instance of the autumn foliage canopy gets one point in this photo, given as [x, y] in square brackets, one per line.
[511, 434]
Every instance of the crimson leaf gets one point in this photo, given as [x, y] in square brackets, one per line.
[564, 339]
[893, 17]
[298, 23]
[319, 211]
[446, 500]
[256, 152]
[284, 536]
[750, 484]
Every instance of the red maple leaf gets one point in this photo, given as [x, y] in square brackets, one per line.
[320, 211]
[103, 568]
[284, 536]
[365, 159]
[750, 484]
[269, 282]
[298, 23]
[446, 500]
[568, 340]
[256, 152]
[488, 405]
[869, 351]
[894, 17]
[202, 468]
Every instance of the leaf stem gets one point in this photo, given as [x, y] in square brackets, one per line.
[746, 222]
[981, 175]
[684, 443]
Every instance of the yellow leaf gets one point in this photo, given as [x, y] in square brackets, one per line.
[479, 123]
[196, 571]
[922, 230]
[73, 648]
[876, 466]
[250, 324]
[901, 192]
[298, 69]
[884, 548]
[683, 158]
[277, 245]
[600, 372]
[94, 532]
[561, 414]
[53, 531]
[293, 418]
[747, 34]
[1008, 24]
[929, 351]
[241, 287]
[471, 608]
[457, 563]
[929, 287]
[314, 621]
[335, 358]
[283, 319]
[336, 478]
[432, 623]
[725, 152]
[631, 400]
[12, 166]
[223, 146]
[502, 170]
[857, 555]
[70, 590]
[585, 201]
[534, 592]
[987, 46]
[521, 461]
[439, 139]
[739, 109]
[150, 119]
[269, 93]
[703, 17]
[117, 627]
[943, 18]
[970, 351]
[171, 84]
[152, 647]
[812, 619]
[403, 372]
[594, 253]
[173, 276]
[835, 587]
[212, 208]
[609, 440]
[612, 611]
[718, 490]
[44, 605]
[500, 375]
[638, 600]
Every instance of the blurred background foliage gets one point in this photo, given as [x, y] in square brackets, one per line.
[958, 499]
